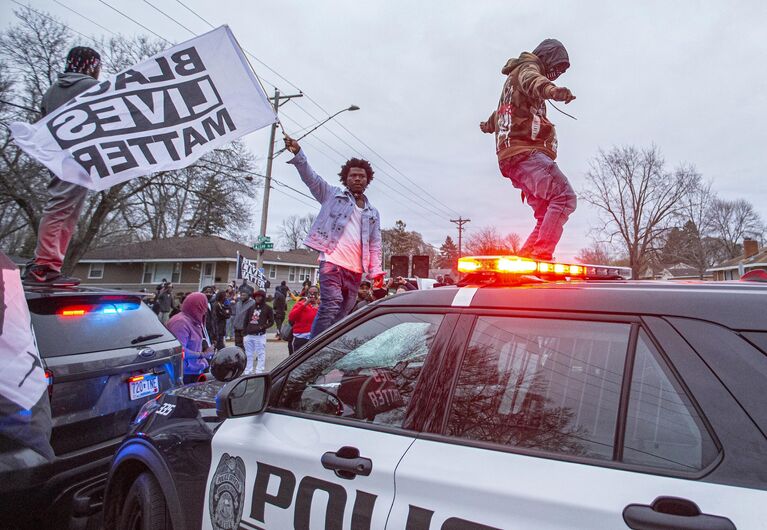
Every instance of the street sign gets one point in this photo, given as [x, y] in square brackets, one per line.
[263, 246]
[264, 239]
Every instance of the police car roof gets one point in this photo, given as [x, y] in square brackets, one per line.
[737, 305]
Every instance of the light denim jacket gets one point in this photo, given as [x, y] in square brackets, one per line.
[337, 206]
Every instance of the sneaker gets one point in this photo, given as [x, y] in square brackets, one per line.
[44, 275]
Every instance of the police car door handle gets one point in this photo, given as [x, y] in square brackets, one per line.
[347, 463]
[672, 513]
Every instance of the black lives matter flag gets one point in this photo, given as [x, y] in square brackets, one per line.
[247, 269]
[161, 114]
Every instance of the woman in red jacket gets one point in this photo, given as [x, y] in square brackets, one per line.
[302, 315]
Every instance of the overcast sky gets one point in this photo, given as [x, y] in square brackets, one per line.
[687, 76]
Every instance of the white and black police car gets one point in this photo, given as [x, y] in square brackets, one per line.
[529, 396]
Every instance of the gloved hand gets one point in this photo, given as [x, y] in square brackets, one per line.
[559, 93]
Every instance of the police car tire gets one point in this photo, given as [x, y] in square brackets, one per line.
[145, 501]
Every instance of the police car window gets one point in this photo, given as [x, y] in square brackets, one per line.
[552, 385]
[663, 429]
[367, 374]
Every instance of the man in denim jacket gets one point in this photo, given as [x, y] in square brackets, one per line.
[346, 233]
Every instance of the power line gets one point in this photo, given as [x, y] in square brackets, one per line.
[167, 16]
[460, 222]
[86, 18]
[449, 209]
[136, 22]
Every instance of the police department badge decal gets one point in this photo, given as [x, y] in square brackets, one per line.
[227, 493]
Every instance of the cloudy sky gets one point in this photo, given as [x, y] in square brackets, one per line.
[687, 76]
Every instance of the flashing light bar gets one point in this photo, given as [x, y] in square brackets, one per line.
[520, 265]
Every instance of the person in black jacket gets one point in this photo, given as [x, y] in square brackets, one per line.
[221, 314]
[258, 318]
[280, 305]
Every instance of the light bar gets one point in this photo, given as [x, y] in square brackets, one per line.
[135, 378]
[518, 265]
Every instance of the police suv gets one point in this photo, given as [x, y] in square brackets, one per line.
[530, 396]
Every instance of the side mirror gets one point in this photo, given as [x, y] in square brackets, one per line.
[244, 397]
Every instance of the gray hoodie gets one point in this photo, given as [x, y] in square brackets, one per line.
[66, 87]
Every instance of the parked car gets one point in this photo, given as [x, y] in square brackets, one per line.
[505, 402]
[105, 354]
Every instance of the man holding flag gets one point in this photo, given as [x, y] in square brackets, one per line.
[162, 114]
[65, 203]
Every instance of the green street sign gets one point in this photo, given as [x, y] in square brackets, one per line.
[263, 246]
[264, 239]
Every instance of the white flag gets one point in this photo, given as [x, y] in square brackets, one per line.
[161, 114]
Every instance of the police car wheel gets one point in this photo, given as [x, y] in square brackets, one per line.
[144, 507]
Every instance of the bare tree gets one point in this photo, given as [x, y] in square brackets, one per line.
[294, 229]
[487, 240]
[637, 199]
[733, 221]
[595, 254]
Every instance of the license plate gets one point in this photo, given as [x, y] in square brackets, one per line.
[148, 386]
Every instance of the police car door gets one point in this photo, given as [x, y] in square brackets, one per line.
[324, 455]
[573, 423]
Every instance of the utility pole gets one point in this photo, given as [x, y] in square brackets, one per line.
[268, 176]
[460, 222]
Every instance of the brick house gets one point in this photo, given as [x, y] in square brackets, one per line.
[190, 263]
[753, 258]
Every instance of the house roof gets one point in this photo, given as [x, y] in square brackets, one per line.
[204, 248]
[757, 260]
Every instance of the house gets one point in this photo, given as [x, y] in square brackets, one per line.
[190, 263]
[674, 271]
[752, 259]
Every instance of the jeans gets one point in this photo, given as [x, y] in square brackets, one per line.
[230, 328]
[548, 193]
[238, 338]
[338, 292]
[255, 346]
[164, 316]
[58, 222]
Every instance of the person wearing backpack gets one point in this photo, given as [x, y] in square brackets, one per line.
[526, 142]
[258, 318]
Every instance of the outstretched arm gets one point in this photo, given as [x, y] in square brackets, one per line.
[320, 189]
[489, 125]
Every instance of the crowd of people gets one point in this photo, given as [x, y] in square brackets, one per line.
[204, 321]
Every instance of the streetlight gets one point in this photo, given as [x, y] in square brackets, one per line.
[351, 108]
[270, 159]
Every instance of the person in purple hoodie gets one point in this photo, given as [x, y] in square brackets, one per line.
[188, 326]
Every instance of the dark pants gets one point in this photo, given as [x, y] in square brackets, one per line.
[548, 193]
[238, 339]
[279, 318]
[338, 292]
[297, 343]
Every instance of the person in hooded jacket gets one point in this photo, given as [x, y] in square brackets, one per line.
[61, 212]
[188, 327]
[526, 142]
[258, 318]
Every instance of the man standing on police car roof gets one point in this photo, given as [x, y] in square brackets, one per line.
[526, 142]
[347, 233]
[66, 200]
